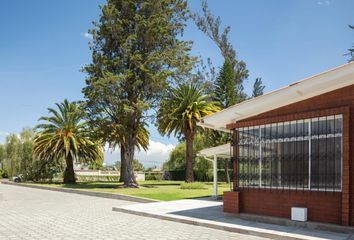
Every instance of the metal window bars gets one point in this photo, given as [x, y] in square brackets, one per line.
[301, 155]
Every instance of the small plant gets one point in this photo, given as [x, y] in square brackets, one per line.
[153, 177]
[193, 185]
[3, 174]
[95, 178]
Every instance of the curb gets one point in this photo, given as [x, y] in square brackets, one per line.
[205, 223]
[85, 192]
[327, 227]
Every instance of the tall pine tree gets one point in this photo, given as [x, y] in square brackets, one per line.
[351, 50]
[225, 86]
[136, 54]
[258, 87]
[229, 84]
[226, 95]
[211, 27]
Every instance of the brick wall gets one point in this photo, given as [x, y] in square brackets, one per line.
[322, 207]
[341, 204]
[231, 202]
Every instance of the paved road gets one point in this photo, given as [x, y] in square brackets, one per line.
[27, 213]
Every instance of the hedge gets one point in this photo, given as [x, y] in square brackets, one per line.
[97, 178]
[180, 175]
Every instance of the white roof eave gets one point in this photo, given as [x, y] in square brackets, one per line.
[221, 151]
[307, 88]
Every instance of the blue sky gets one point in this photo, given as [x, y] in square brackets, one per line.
[43, 46]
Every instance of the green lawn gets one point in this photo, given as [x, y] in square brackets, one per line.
[158, 190]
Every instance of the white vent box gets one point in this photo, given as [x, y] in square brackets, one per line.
[299, 214]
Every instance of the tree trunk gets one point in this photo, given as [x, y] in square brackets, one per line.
[227, 175]
[189, 157]
[69, 174]
[122, 163]
[129, 148]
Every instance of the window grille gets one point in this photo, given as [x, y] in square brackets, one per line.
[303, 154]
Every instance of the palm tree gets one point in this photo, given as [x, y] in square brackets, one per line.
[65, 136]
[179, 113]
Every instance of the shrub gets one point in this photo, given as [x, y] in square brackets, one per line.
[175, 175]
[180, 175]
[3, 174]
[153, 176]
[194, 185]
[222, 175]
[97, 178]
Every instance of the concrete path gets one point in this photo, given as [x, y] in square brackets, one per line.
[27, 213]
[209, 213]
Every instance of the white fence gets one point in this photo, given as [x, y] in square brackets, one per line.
[140, 176]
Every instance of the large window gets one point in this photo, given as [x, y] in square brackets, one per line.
[302, 154]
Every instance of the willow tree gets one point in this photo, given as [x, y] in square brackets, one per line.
[136, 54]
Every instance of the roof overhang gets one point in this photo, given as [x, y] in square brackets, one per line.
[220, 151]
[328, 81]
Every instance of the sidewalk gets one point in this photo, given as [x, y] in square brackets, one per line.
[207, 213]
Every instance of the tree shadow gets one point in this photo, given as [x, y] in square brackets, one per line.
[110, 185]
[147, 185]
[88, 185]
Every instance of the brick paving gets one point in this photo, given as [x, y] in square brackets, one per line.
[27, 213]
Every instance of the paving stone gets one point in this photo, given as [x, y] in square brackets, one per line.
[206, 213]
[27, 213]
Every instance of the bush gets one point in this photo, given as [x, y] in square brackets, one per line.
[175, 175]
[3, 174]
[180, 175]
[222, 175]
[153, 176]
[97, 178]
[193, 185]
[202, 176]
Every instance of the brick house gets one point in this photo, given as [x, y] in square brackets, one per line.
[294, 147]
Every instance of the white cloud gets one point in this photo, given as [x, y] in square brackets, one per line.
[2, 133]
[157, 153]
[87, 35]
[159, 148]
[324, 2]
[3, 136]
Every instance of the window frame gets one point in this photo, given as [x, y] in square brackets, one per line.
[309, 137]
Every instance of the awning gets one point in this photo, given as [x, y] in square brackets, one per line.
[223, 151]
[215, 152]
[331, 80]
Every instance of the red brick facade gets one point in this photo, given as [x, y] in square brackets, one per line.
[231, 202]
[331, 207]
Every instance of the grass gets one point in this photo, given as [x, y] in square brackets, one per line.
[158, 190]
[194, 185]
